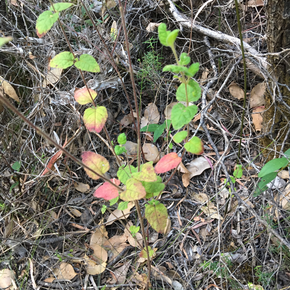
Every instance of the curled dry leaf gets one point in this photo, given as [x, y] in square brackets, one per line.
[119, 214]
[65, 271]
[151, 114]
[236, 91]
[152, 26]
[257, 98]
[257, 118]
[151, 152]
[8, 89]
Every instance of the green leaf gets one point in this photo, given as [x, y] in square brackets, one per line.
[16, 166]
[4, 40]
[287, 153]
[62, 60]
[159, 131]
[120, 150]
[157, 216]
[239, 171]
[150, 128]
[134, 230]
[162, 34]
[181, 115]
[123, 205]
[273, 165]
[193, 69]
[184, 59]
[180, 136]
[103, 209]
[193, 92]
[95, 118]
[262, 185]
[122, 139]
[175, 68]
[153, 188]
[172, 37]
[60, 6]
[134, 190]
[144, 254]
[194, 146]
[45, 21]
[114, 200]
[87, 63]
[147, 173]
[125, 172]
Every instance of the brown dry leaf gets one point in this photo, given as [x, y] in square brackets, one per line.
[126, 120]
[144, 122]
[211, 211]
[136, 241]
[115, 242]
[181, 168]
[131, 148]
[9, 90]
[52, 76]
[151, 113]
[257, 94]
[160, 274]
[236, 91]
[257, 118]
[151, 26]
[168, 109]
[283, 200]
[8, 228]
[201, 197]
[204, 76]
[49, 280]
[119, 214]
[14, 2]
[107, 5]
[65, 271]
[100, 254]
[75, 212]
[120, 274]
[141, 280]
[92, 268]
[255, 3]
[204, 232]
[99, 237]
[284, 174]
[151, 152]
[7, 279]
[81, 187]
[186, 179]
[197, 166]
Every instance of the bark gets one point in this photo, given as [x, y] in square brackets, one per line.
[277, 115]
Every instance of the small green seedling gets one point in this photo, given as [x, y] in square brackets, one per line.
[238, 173]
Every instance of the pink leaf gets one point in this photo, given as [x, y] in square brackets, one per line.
[83, 96]
[95, 118]
[167, 163]
[96, 162]
[108, 191]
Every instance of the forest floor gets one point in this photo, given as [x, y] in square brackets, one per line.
[223, 234]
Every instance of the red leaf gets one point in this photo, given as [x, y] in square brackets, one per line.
[167, 163]
[53, 160]
[108, 191]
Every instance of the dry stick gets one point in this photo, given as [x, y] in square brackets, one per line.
[138, 138]
[44, 135]
[184, 21]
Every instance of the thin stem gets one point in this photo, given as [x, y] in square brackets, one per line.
[245, 76]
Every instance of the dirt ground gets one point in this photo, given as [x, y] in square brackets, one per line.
[52, 229]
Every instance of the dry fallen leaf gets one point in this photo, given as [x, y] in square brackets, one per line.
[236, 91]
[93, 268]
[8, 89]
[168, 109]
[255, 3]
[151, 152]
[52, 76]
[211, 211]
[126, 120]
[99, 237]
[118, 214]
[65, 271]
[131, 148]
[137, 240]
[151, 26]
[81, 187]
[201, 197]
[204, 76]
[7, 279]
[151, 113]
[284, 174]
[100, 254]
[257, 95]
[257, 118]
[197, 166]
[120, 274]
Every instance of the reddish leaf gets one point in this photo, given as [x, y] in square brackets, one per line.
[95, 118]
[134, 190]
[96, 162]
[83, 96]
[167, 163]
[157, 216]
[53, 159]
[108, 191]
[147, 173]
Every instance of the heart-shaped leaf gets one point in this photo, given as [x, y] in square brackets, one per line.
[84, 96]
[87, 63]
[167, 162]
[193, 69]
[147, 173]
[156, 214]
[108, 191]
[184, 59]
[194, 146]
[124, 173]
[96, 162]
[95, 118]
[62, 60]
[163, 33]
[45, 21]
[193, 92]
[181, 115]
[60, 6]
[180, 136]
[134, 190]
